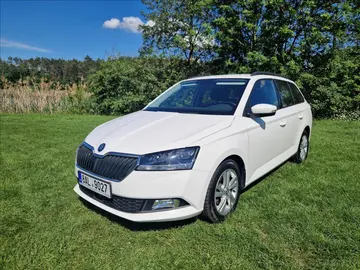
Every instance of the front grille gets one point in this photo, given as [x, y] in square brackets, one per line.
[116, 202]
[109, 166]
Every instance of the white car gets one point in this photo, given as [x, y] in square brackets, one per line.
[194, 148]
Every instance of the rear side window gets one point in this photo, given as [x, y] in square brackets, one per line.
[298, 98]
[285, 94]
[264, 91]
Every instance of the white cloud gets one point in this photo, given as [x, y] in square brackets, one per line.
[18, 45]
[112, 24]
[128, 23]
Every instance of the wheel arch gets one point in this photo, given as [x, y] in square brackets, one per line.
[307, 129]
[240, 162]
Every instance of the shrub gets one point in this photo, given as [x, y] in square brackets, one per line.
[126, 85]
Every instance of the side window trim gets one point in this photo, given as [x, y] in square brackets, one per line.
[278, 95]
[299, 92]
[247, 109]
[277, 87]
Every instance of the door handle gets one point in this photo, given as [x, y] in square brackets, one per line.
[283, 124]
[301, 117]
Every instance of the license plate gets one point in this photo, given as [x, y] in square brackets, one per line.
[99, 186]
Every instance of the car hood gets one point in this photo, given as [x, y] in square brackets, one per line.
[146, 132]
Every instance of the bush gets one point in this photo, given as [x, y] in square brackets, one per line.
[334, 90]
[125, 85]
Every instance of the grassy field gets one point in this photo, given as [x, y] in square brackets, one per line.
[299, 217]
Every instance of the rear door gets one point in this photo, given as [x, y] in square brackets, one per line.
[290, 111]
[302, 111]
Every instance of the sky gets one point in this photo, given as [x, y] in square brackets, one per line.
[70, 29]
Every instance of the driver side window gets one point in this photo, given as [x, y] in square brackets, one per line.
[264, 91]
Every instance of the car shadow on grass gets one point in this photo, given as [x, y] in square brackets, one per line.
[137, 226]
[157, 226]
[264, 177]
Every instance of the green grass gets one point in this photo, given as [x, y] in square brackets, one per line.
[298, 217]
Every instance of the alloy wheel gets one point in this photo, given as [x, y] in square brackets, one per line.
[226, 191]
[303, 147]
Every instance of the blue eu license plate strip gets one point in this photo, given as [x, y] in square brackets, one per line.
[79, 177]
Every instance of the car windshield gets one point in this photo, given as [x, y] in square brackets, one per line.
[207, 96]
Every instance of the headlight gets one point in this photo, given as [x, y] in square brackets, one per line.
[177, 159]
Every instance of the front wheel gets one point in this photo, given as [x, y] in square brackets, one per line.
[223, 192]
[303, 149]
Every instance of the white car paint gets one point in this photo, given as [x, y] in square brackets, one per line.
[262, 143]
[145, 132]
[263, 109]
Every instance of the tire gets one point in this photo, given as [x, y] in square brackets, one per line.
[303, 149]
[223, 193]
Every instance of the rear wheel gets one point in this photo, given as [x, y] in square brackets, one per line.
[223, 192]
[303, 149]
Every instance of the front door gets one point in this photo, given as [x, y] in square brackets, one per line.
[268, 136]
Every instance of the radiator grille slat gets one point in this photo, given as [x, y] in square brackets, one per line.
[109, 166]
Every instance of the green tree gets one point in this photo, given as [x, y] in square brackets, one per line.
[276, 35]
[179, 28]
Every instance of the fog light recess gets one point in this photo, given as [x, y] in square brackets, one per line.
[167, 203]
[163, 204]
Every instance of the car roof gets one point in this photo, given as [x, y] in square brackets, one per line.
[224, 76]
[238, 76]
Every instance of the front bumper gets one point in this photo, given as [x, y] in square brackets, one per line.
[189, 185]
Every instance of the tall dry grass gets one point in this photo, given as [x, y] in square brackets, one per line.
[22, 100]
[41, 98]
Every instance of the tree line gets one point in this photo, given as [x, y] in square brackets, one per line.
[58, 71]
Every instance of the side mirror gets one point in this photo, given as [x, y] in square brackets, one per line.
[262, 110]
